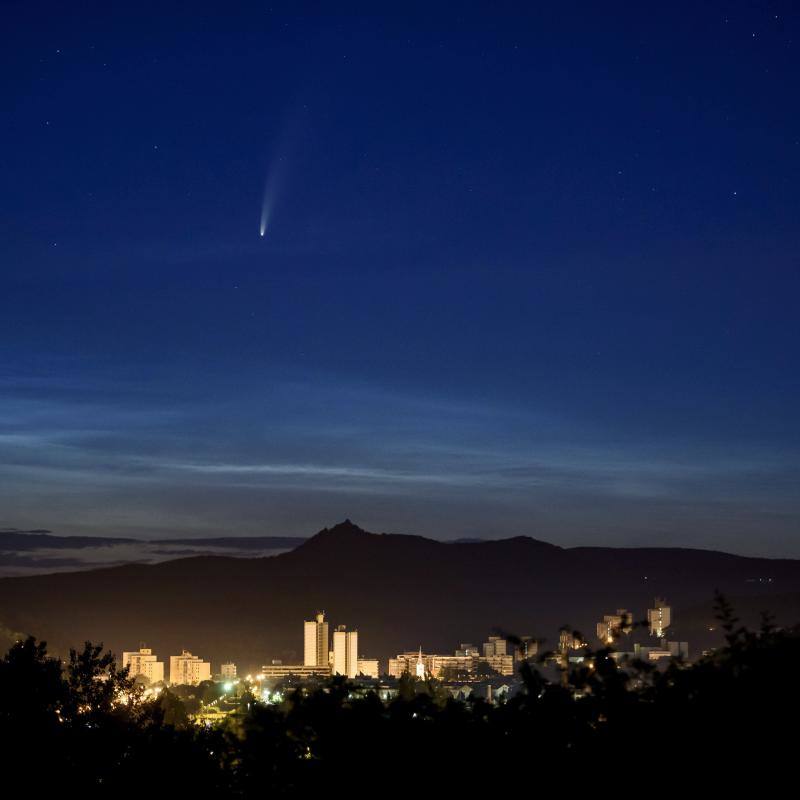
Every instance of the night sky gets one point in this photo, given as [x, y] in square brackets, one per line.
[527, 269]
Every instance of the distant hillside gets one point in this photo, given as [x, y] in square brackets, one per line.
[39, 551]
[399, 591]
[12, 539]
[41, 539]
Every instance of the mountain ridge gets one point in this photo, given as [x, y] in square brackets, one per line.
[399, 591]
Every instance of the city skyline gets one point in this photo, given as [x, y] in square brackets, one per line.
[329, 654]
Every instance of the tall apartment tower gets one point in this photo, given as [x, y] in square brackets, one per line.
[345, 652]
[496, 646]
[188, 670]
[613, 625]
[228, 671]
[315, 642]
[143, 662]
[659, 617]
[527, 648]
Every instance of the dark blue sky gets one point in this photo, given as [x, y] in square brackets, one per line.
[526, 270]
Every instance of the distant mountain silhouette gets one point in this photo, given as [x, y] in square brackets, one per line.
[16, 540]
[39, 552]
[13, 539]
[399, 591]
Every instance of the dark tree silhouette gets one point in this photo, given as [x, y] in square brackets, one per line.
[712, 724]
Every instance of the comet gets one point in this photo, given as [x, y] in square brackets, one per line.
[265, 209]
[273, 187]
[266, 205]
[283, 149]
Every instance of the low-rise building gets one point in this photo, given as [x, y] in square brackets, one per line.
[406, 664]
[369, 667]
[493, 691]
[274, 671]
[678, 649]
[665, 649]
[447, 667]
[502, 664]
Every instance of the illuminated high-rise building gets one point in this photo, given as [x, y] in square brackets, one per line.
[659, 618]
[188, 670]
[143, 662]
[527, 648]
[345, 652]
[568, 640]
[613, 625]
[315, 642]
[228, 671]
[495, 646]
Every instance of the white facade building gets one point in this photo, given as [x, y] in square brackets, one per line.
[369, 667]
[143, 662]
[188, 670]
[345, 652]
[659, 617]
[419, 669]
[612, 625]
[315, 642]
[422, 664]
[277, 671]
[228, 671]
[495, 646]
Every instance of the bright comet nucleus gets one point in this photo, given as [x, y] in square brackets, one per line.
[273, 186]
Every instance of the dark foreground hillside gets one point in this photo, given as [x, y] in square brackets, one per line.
[400, 592]
[712, 725]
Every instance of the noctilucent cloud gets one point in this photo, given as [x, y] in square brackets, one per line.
[526, 271]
